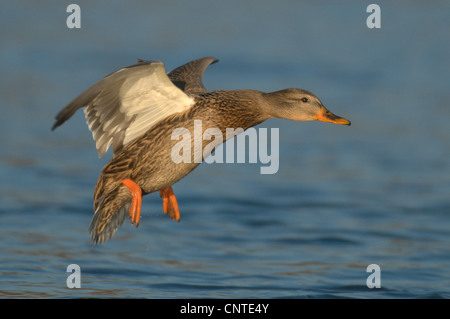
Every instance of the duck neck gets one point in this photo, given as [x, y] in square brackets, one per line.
[233, 109]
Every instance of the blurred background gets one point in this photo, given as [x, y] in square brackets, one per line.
[376, 192]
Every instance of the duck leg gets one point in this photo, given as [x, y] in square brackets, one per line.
[170, 204]
[136, 200]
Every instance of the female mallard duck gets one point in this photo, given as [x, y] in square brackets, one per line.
[136, 109]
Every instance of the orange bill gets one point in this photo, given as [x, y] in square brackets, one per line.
[327, 116]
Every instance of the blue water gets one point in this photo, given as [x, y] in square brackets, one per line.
[377, 192]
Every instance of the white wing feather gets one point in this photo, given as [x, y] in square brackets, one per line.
[129, 102]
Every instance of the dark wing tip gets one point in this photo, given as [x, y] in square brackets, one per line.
[215, 60]
[208, 59]
[60, 119]
[58, 122]
[188, 77]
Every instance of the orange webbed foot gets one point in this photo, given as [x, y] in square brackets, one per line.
[136, 200]
[170, 204]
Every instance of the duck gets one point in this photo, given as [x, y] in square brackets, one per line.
[135, 110]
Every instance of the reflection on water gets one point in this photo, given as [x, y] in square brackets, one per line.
[343, 198]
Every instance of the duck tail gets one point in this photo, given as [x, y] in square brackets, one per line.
[111, 209]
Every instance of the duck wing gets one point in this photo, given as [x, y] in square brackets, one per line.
[127, 103]
[188, 77]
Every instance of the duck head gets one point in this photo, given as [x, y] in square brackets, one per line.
[299, 105]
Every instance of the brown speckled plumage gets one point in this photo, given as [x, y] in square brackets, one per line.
[147, 160]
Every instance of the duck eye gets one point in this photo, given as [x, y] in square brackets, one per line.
[304, 100]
